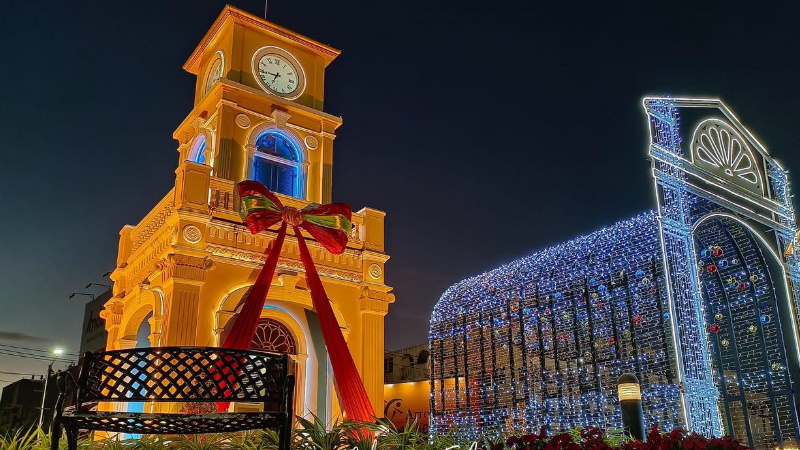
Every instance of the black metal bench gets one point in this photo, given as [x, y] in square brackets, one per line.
[178, 374]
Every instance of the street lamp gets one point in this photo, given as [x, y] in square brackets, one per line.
[107, 286]
[81, 293]
[57, 352]
[630, 401]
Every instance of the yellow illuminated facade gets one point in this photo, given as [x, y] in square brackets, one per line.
[182, 270]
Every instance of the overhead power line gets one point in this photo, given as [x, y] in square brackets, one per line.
[33, 349]
[33, 356]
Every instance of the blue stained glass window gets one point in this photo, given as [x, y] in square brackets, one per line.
[277, 164]
[276, 145]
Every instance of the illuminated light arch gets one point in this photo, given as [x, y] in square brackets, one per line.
[492, 313]
[765, 244]
[720, 149]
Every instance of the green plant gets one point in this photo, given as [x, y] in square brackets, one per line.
[148, 442]
[316, 435]
[23, 440]
[254, 440]
[214, 441]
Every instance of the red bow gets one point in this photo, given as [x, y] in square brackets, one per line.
[328, 224]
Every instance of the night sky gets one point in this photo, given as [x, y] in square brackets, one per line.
[485, 130]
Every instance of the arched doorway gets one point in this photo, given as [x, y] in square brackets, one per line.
[745, 305]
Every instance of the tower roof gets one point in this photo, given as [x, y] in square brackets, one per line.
[230, 13]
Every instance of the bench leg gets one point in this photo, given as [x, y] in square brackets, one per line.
[283, 437]
[72, 439]
[55, 435]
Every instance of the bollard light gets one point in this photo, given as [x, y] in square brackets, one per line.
[630, 401]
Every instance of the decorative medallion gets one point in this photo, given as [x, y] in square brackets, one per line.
[192, 234]
[375, 271]
[753, 278]
[725, 343]
[719, 317]
[776, 366]
[311, 142]
[242, 120]
[752, 329]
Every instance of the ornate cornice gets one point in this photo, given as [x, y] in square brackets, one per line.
[256, 258]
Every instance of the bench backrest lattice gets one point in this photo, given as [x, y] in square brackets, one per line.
[183, 374]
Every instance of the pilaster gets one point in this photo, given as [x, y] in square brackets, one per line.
[374, 306]
[182, 277]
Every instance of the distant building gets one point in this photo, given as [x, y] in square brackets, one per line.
[21, 401]
[407, 389]
[93, 334]
[408, 364]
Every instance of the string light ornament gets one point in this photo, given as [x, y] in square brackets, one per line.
[556, 360]
[682, 297]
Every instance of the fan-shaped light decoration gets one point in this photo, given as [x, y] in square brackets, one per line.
[753, 278]
[725, 343]
[776, 366]
[752, 329]
[719, 317]
[717, 251]
[720, 149]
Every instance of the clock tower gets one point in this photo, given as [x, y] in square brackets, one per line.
[183, 269]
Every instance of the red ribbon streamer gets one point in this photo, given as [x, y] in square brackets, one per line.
[353, 395]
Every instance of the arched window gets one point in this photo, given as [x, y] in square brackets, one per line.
[277, 164]
[198, 153]
[273, 336]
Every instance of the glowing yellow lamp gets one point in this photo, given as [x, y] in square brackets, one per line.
[629, 391]
[630, 402]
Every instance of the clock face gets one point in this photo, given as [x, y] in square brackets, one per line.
[278, 74]
[214, 74]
